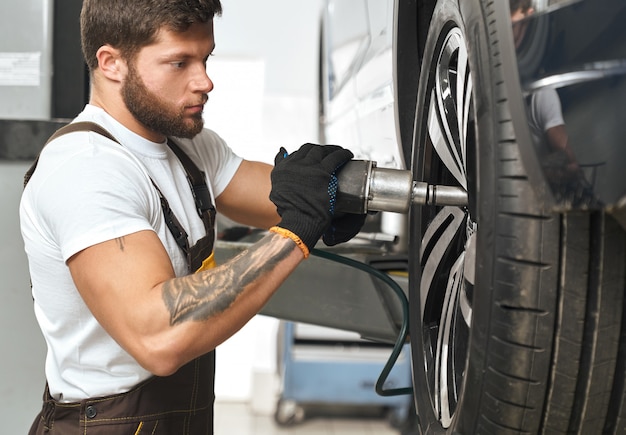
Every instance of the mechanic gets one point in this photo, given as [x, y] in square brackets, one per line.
[544, 108]
[547, 126]
[120, 211]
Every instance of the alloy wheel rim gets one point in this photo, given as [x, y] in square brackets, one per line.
[447, 252]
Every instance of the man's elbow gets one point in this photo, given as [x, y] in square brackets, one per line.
[161, 360]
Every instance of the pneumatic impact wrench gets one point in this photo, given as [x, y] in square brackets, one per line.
[363, 187]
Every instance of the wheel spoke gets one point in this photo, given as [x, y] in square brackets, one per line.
[445, 343]
[438, 239]
[464, 98]
[447, 116]
[439, 139]
[469, 270]
[470, 255]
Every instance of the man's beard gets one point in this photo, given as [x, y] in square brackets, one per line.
[156, 114]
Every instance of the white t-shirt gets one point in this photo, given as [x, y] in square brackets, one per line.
[86, 190]
[544, 112]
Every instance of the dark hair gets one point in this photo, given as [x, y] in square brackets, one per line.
[524, 5]
[129, 25]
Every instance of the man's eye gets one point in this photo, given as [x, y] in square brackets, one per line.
[178, 65]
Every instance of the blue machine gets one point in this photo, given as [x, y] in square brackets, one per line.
[327, 366]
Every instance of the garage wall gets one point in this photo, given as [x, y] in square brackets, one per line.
[264, 71]
[23, 347]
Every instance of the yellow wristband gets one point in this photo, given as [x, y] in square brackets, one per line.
[288, 234]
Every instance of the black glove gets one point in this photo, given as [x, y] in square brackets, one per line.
[304, 189]
[343, 228]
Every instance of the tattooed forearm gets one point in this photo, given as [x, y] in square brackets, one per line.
[202, 295]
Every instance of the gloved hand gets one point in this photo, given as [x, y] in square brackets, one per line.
[343, 228]
[304, 189]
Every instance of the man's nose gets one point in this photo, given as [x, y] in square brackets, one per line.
[202, 82]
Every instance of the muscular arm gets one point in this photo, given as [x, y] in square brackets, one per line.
[248, 203]
[163, 321]
[201, 296]
[558, 140]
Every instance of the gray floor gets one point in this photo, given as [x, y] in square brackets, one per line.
[237, 418]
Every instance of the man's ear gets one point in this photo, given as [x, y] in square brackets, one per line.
[111, 63]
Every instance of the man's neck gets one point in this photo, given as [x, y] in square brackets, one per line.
[116, 108]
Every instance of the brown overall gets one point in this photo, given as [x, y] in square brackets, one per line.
[180, 404]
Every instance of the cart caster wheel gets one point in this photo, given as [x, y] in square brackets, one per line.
[397, 417]
[288, 413]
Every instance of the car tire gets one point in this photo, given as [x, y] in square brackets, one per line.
[516, 312]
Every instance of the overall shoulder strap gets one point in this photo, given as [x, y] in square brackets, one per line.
[82, 126]
[199, 256]
[199, 188]
[69, 128]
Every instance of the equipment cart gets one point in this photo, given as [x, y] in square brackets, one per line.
[322, 366]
